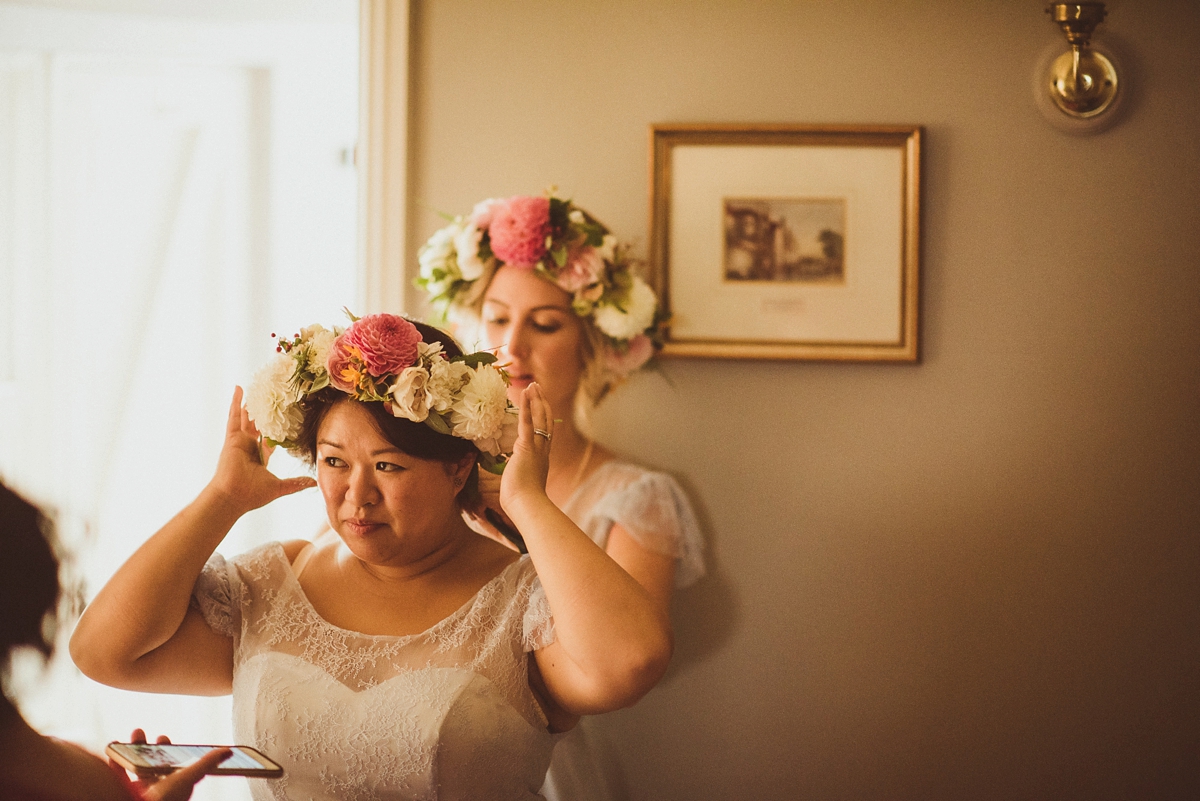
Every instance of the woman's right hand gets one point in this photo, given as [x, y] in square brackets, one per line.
[242, 477]
[176, 786]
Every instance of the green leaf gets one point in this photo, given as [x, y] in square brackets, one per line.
[435, 421]
[475, 359]
[559, 211]
[350, 314]
[560, 256]
[492, 464]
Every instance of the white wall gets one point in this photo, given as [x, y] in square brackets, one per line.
[969, 578]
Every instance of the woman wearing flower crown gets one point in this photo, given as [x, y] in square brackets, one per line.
[553, 292]
[399, 655]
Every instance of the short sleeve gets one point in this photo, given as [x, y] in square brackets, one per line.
[538, 624]
[213, 597]
[654, 511]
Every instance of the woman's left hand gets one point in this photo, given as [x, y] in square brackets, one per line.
[525, 474]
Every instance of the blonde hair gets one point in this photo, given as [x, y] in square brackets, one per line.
[598, 378]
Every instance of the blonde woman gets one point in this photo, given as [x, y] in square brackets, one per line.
[548, 287]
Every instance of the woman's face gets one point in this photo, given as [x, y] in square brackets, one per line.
[530, 321]
[388, 507]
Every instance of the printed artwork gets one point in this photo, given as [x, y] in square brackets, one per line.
[785, 239]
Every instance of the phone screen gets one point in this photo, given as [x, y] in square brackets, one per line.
[165, 758]
[180, 756]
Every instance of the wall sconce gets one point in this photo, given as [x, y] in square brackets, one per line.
[1076, 88]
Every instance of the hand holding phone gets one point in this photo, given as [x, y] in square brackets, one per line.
[160, 759]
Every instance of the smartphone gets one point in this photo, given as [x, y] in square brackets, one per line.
[157, 760]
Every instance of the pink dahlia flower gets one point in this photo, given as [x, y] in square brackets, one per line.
[519, 229]
[585, 268]
[386, 342]
[638, 353]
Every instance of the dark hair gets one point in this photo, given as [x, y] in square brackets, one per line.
[29, 588]
[415, 439]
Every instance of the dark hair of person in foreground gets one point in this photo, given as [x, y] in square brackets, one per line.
[34, 767]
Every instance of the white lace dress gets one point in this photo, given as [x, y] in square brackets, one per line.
[654, 511]
[445, 714]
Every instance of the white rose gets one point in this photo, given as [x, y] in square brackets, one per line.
[480, 411]
[446, 380]
[466, 244]
[438, 254]
[635, 319]
[271, 400]
[481, 215]
[608, 247]
[410, 398]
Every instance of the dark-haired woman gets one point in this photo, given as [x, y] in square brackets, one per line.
[401, 655]
[34, 767]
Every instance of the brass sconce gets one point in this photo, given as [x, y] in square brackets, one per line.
[1081, 83]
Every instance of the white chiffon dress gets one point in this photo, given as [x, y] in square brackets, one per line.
[444, 714]
[654, 511]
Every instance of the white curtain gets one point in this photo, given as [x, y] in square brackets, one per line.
[165, 204]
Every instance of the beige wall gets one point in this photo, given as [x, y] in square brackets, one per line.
[970, 578]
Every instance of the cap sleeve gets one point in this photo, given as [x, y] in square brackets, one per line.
[538, 624]
[655, 512]
[213, 597]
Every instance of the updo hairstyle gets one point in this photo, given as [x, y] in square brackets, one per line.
[414, 439]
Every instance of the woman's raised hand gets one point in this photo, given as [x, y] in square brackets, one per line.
[525, 474]
[242, 476]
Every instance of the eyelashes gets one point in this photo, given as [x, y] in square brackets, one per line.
[544, 328]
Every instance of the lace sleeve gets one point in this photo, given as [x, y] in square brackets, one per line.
[538, 628]
[213, 597]
[656, 513]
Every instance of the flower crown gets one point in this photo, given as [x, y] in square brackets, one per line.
[560, 242]
[383, 358]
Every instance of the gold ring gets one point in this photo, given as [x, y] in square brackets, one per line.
[542, 433]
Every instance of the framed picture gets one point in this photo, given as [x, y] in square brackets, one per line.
[787, 241]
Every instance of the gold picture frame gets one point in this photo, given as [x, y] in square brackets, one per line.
[787, 241]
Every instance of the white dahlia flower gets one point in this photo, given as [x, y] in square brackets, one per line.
[479, 412]
[446, 380]
[271, 401]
